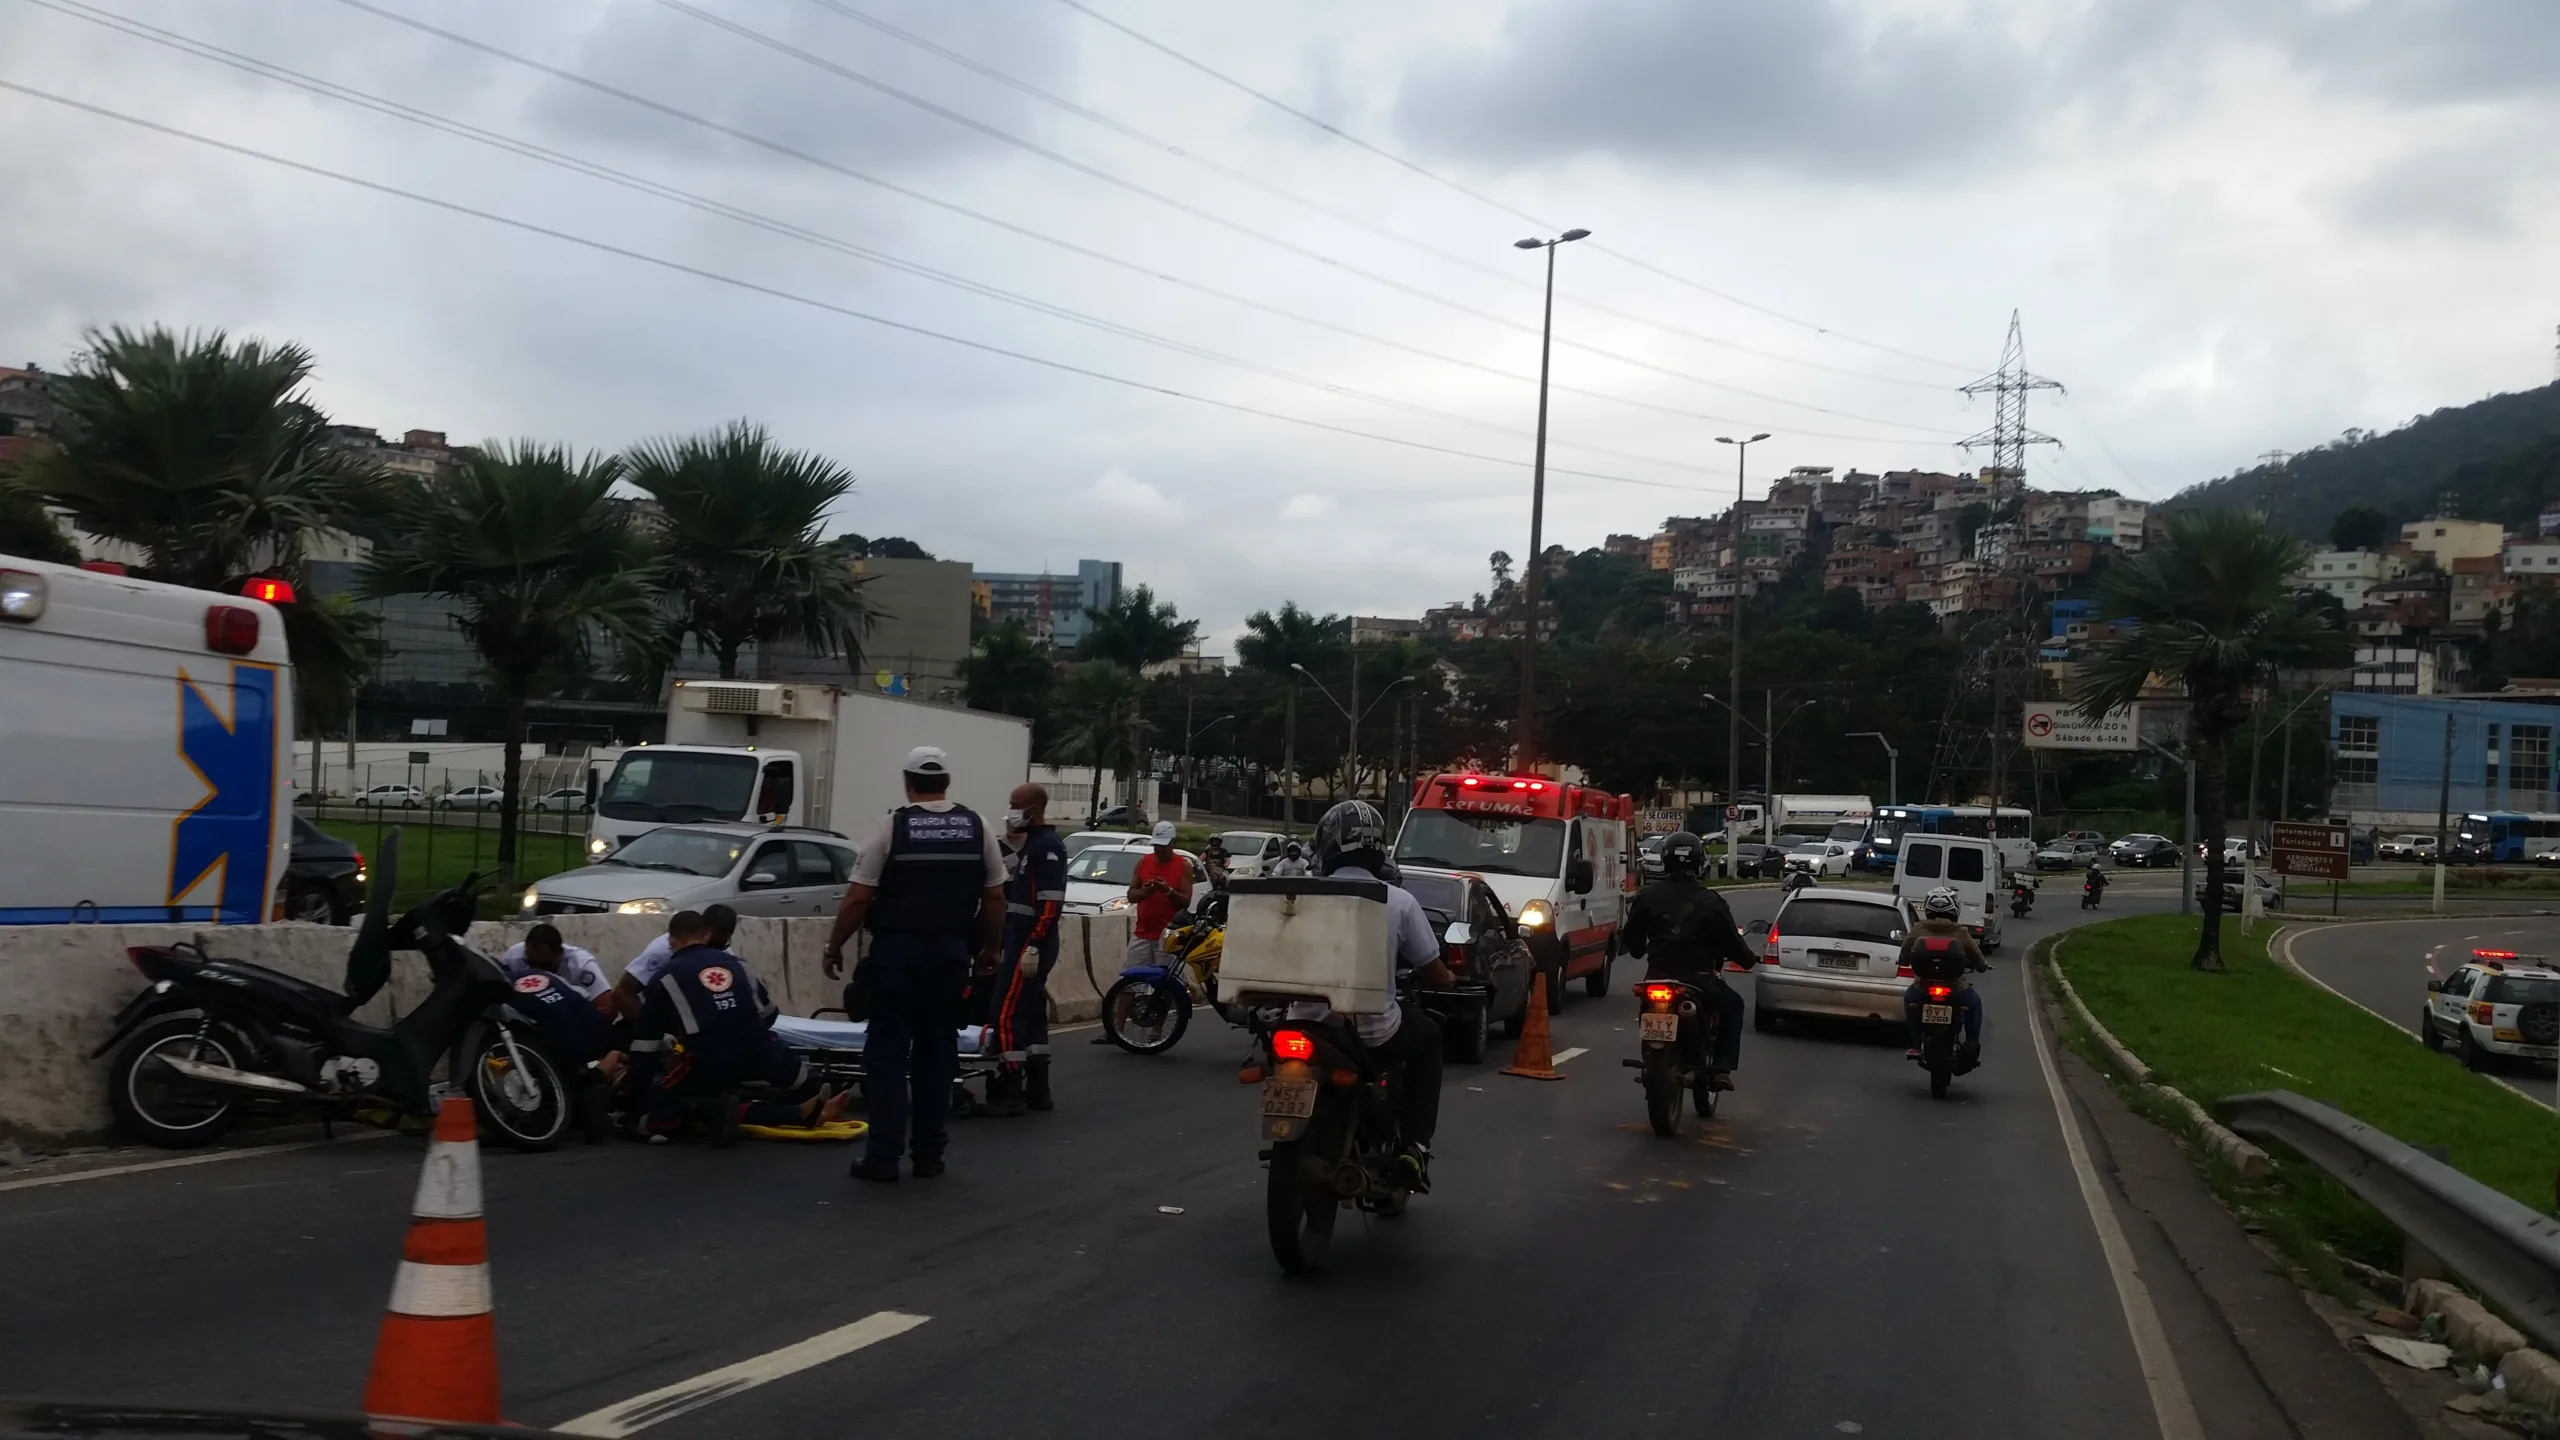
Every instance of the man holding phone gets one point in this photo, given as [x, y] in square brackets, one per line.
[1159, 889]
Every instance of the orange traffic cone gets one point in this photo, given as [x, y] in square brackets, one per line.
[1534, 1057]
[437, 1358]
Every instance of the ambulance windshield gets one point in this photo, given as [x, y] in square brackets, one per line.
[1496, 844]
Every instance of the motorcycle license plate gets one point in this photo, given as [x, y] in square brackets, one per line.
[1937, 1014]
[1658, 1029]
[1289, 1099]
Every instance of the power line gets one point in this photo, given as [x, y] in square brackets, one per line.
[793, 297]
[136, 29]
[1361, 222]
[1477, 195]
[1095, 172]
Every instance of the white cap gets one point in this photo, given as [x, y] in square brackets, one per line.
[928, 760]
[1163, 834]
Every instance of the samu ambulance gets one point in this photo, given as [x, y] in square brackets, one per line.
[1555, 854]
[146, 736]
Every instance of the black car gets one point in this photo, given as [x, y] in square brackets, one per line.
[1762, 862]
[323, 878]
[2152, 851]
[1116, 817]
[1491, 960]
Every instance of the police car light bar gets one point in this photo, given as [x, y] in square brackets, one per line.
[273, 591]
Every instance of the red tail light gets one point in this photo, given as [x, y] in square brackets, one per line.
[230, 630]
[1660, 994]
[1293, 1045]
[1456, 956]
[1941, 992]
[1343, 1079]
[1902, 972]
[2483, 1014]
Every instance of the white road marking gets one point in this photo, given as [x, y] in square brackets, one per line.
[2170, 1405]
[2283, 941]
[1562, 1056]
[182, 1161]
[686, 1396]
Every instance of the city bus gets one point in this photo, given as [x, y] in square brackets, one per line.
[2496, 835]
[1882, 848]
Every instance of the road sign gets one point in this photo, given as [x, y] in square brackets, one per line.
[2311, 852]
[2058, 725]
[1733, 812]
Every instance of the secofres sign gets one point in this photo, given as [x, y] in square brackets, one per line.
[2059, 725]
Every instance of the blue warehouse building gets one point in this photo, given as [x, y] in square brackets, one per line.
[2388, 757]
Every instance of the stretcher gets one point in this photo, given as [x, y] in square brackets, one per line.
[833, 1051]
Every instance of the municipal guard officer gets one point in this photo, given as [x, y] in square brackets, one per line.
[1035, 890]
[929, 887]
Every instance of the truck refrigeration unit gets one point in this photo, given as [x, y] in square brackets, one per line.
[811, 755]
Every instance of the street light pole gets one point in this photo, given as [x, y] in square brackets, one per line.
[1350, 714]
[1525, 746]
[1189, 734]
[1733, 751]
[1892, 762]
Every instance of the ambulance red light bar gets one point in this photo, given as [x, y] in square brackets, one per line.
[273, 591]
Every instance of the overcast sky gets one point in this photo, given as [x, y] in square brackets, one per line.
[2231, 226]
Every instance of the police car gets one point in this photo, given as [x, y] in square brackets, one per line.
[2501, 1004]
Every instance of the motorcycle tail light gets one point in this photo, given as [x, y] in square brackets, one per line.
[1293, 1045]
[1344, 1078]
[1660, 994]
[134, 955]
[2483, 1014]
[1940, 992]
[1249, 1075]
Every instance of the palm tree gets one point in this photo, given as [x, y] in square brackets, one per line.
[2215, 614]
[1137, 631]
[1098, 708]
[1009, 671]
[1276, 643]
[208, 457]
[743, 562]
[526, 541]
[27, 529]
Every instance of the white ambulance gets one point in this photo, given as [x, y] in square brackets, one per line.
[1558, 856]
[146, 748]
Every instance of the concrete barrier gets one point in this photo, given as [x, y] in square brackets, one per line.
[68, 982]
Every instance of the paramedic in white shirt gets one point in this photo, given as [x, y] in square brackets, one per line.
[1351, 844]
[653, 957]
[571, 965]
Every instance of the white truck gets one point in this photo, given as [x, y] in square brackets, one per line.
[813, 755]
[146, 733]
[1814, 816]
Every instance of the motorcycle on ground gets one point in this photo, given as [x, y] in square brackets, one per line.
[1329, 1112]
[1147, 1010]
[212, 1041]
[1942, 1051]
[1677, 1031]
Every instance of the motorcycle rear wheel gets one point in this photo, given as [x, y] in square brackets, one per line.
[1300, 1212]
[158, 1108]
[1145, 1016]
[1662, 1091]
[1938, 1053]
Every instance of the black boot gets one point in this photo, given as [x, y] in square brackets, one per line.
[1004, 1094]
[1035, 1086]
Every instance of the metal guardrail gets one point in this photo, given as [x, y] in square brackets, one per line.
[2506, 1249]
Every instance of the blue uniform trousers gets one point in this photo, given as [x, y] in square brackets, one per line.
[911, 1054]
[1022, 993]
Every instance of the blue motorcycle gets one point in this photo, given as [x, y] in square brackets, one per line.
[1147, 1009]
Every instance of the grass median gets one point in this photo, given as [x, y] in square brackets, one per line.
[2261, 1027]
[433, 857]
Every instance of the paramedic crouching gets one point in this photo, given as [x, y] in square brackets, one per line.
[1351, 844]
[930, 889]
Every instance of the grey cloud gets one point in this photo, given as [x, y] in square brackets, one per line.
[2468, 190]
[696, 66]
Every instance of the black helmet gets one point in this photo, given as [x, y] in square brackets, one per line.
[1683, 854]
[1351, 833]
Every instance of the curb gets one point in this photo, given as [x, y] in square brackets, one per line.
[2248, 1159]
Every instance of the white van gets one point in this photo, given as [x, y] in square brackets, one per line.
[145, 773]
[1969, 867]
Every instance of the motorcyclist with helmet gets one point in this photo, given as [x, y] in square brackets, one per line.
[2094, 887]
[1351, 844]
[1682, 930]
[1941, 951]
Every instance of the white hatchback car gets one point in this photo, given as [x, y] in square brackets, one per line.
[1822, 859]
[471, 797]
[2499, 1005]
[404, 797]
[1832, 952]
[1098, 877]
[1253, 850]
[752, 869]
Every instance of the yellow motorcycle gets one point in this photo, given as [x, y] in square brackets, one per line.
[1147, 1009]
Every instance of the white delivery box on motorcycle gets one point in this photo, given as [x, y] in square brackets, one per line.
[1969, 867]
[1315, 939]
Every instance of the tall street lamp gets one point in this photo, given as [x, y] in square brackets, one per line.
[1351, 756]
[1733, 752]
[1892, 761]
[1525, 746]
[1767, 730]
[1190, 733]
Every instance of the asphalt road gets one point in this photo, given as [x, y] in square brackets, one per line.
[1835, 1254]
[2385, 966]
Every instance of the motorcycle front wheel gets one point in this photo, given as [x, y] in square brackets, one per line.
[518, 1091]
[1144, 1015]
[157, 1106]
[1300, 1211]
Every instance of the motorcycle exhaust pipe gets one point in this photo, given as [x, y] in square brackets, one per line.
[230, 1079]
[1350, 1181]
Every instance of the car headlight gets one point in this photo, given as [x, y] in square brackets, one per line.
[653, 906]
[598, 845]
[531, 897]
[1537, 915]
